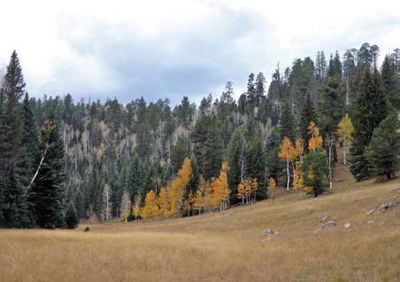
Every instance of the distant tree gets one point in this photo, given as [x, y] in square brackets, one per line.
[287, 125]
[47, 192]
[383, 150]
[345, 132]
[307, 116]
[369, 110]
[150, 208]
[289, 154]
[273, 164]
[390, 84]
[313, 166]
[71, 217]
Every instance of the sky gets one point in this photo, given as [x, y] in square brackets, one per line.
[175, 48]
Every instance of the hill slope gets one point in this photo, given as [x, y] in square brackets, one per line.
[226, 246]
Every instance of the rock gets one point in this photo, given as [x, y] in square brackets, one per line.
[347, 225]
[87, 229]
[382, 207]
[325, 218]
[331, 223]
[370, 221]
[269, 232]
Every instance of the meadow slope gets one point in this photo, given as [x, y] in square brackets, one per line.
[225, 246]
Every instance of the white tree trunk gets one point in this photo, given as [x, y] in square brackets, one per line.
[288, 175]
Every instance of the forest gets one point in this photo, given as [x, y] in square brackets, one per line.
[65, 161]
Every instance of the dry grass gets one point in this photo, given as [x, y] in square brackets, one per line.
[227, 246]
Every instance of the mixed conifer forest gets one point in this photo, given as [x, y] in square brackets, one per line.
[65, 161]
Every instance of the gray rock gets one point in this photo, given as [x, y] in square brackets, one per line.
[370, 221]
[347, 225]
[269, 232]
[331, 223]
[325, 218]
[383, 207]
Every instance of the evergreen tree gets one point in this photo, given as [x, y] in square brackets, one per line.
[212, 152]
[384, 148]
[307, 116]
[13, 89]
[287, 125]
[2, 190]
[369, 110]
[29, 149]
[234, 164]
[273, 164]
[47, 193]
[71, 217]
[257, 165]
[389, 79]
[15, 211]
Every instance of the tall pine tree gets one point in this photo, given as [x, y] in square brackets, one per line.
[369, 109]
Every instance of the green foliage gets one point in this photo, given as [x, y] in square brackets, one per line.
[384, 148]
[287, 125]
[47, 193]
[71, 217]
[307, 116]
[369, 110]
[313, 168]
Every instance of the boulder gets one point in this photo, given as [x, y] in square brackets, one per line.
[347, 225]
[269, 232]
[331, 223]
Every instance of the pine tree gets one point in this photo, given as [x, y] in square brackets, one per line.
[389, 79]
[287, 125]
[384, 148]
[273, 164]
[212, 151]
[29, 149]
[369, 110]
[71, 217]
[313, 165]
[234, 150]
[13, 89]
[47, 193]
[15, 211]
[307, 116]
[257, 166]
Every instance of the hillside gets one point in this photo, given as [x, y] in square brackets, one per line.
[225, 246]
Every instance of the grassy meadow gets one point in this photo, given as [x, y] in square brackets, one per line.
[225, 246]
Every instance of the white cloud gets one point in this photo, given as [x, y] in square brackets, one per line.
[179, 47]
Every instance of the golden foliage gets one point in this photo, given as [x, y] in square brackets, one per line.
[316, 140]
[150, 208]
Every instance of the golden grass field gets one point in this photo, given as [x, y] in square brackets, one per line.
[224, 246]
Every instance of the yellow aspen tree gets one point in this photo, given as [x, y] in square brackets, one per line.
[223, 187]
[163, 202]
[288, 153]
[198, 202]
[188, 204]
[316, 140]
[241, 192]
[247, 186]
[298, 179]
[208, 197]
[345, 131]
[150, 208]
[217, 193]
[136, 206]
[271, 186]
[178, 187]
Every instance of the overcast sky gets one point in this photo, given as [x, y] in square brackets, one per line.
[158, 49]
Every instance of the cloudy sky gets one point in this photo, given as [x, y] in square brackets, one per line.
[158, 49]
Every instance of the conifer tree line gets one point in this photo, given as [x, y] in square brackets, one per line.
[64, 160]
